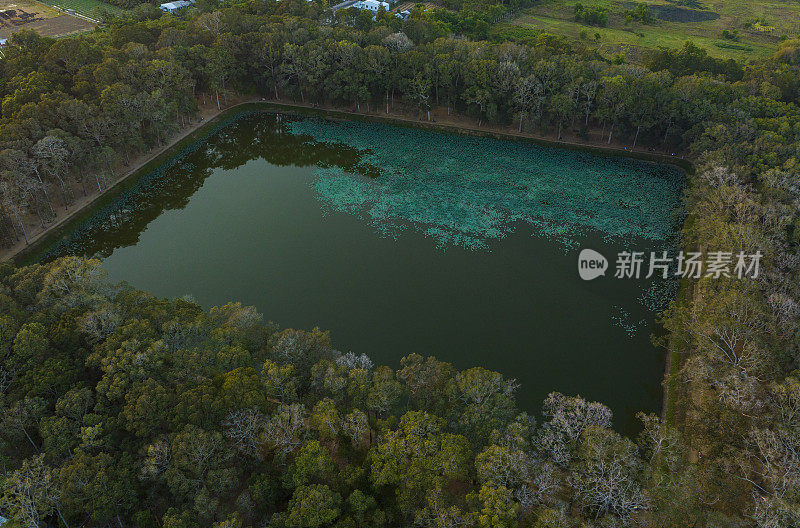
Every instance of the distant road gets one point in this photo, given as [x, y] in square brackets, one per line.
[348, 3]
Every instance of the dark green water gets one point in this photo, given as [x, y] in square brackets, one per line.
[463, 248]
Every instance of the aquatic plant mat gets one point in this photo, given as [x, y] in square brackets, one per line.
[469, 190]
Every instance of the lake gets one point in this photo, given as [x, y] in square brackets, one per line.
[400, 240]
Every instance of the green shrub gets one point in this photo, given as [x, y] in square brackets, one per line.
[591, 16]
[728, 34]
[640, 13]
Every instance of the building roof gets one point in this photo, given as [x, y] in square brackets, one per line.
[177, 4]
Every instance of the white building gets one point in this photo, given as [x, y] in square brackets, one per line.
[173, 7]
[372, 5]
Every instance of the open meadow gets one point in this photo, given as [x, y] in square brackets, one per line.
[726, 28]
[88, 8]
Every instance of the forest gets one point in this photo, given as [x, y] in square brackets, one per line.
[120, 409]
[123, 409]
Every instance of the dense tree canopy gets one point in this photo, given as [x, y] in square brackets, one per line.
[120, 407]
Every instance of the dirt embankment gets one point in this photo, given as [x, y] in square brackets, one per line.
[34, 228]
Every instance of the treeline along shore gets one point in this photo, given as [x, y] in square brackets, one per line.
[28, 247]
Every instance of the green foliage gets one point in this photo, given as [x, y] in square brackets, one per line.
[592, 15]
[730, 34]
[313, 463]
[419, 456]
[313, 506]
[148, 423]
[692, 59]
[499, 509]
[640, 13]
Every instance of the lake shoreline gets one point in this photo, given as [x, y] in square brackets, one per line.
[211, 116]
[200, 131]
[498, 132]
[85, 204]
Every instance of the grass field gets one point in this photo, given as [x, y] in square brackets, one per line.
[759, 24]
[84, 7]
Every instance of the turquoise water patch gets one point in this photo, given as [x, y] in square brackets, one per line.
[467, 191]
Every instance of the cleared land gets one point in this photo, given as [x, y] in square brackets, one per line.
[87, 8]
[16, 15]
[756, 26]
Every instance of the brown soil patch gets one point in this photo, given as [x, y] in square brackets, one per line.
[16, 15]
